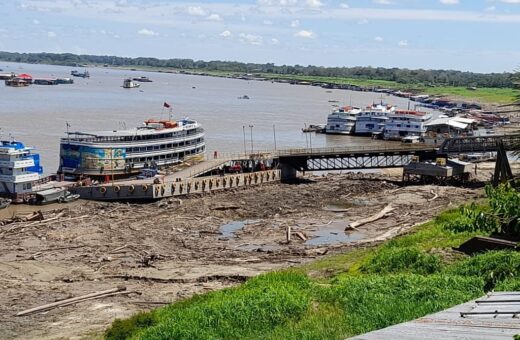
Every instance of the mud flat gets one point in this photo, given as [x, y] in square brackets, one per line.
[171, 249]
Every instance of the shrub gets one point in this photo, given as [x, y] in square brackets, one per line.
[247, 311]
[493, 267]
[124, 329]
[373, 302]
[394, 260]
[505, 204]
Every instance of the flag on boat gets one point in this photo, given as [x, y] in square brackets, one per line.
[166, 105]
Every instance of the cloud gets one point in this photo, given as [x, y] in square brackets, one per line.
[510, 1]
[295, 23]
[384, 2]
[145, 31]
[403, 43]
[196, 11]
[276, 2]
[267, 22]
[275, 41]
[51, 34]
[363, 22]
[314, 3]
[251, 39]
[36, 21]
[379, 39]
[344, 5]
[214, 17]
[449, 2]
[490, 9]
[305, 34]
[225, 34]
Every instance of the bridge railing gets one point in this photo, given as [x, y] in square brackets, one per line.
[356, 149]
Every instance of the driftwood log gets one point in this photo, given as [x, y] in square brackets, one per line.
[379, 215]
[70, 301]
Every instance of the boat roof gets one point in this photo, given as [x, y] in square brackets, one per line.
[452, 122]
[142, 130]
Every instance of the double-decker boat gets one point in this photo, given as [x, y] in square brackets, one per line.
[19, 169]
[342, 121]
[123, 153]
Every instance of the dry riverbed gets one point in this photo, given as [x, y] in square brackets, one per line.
[171, 249]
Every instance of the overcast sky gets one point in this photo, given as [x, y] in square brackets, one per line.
[470, 35]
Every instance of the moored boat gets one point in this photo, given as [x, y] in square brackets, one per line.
[404, 123]
[372, 119]
[19, 169]
[342, 121]
[123, 153]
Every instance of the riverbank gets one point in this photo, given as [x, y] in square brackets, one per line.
[488, 97]
[170, 250]
[362, 290]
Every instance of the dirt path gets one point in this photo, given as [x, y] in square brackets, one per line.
[169, 250]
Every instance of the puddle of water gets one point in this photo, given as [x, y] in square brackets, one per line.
[229, 229]
[334, 233]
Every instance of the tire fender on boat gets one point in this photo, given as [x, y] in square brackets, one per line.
[103, 190]
[131, 188]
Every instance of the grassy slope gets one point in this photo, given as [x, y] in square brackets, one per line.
[338, 296]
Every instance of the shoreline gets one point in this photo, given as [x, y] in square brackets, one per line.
[190, 250]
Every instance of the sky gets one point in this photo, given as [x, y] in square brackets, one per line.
[467, 35]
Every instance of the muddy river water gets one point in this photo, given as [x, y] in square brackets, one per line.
[37, 114]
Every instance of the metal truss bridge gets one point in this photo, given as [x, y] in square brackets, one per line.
[389, 156]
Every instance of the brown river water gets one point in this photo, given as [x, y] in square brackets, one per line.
[37, 115]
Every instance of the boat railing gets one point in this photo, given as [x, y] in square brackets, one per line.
[133, 141]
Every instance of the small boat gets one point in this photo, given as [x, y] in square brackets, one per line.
[244, 97]
[129, 84]
[143, 79]
[65, 81]
[315, 128]
[4, 203]
[53, 195]
[17, 82]
[84, 74]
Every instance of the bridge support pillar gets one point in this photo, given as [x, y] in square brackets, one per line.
[288, 172]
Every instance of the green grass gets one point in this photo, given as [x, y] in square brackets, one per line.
[482, 95]
[338, 296]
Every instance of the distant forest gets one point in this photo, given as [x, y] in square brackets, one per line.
[405, 76]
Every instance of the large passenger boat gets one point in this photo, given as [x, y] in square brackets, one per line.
[405, 123]
[342, 121]
[19, 169]
[372, 119]
[123, 153]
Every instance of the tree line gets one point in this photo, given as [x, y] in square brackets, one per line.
[405, 76]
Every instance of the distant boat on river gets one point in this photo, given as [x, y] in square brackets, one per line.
[84, 74]
[143, 79]
[129, 84]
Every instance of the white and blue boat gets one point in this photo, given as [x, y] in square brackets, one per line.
[19, 169]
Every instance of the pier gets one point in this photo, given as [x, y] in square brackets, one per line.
[200, 178]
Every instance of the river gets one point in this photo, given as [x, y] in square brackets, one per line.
[37, 115]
